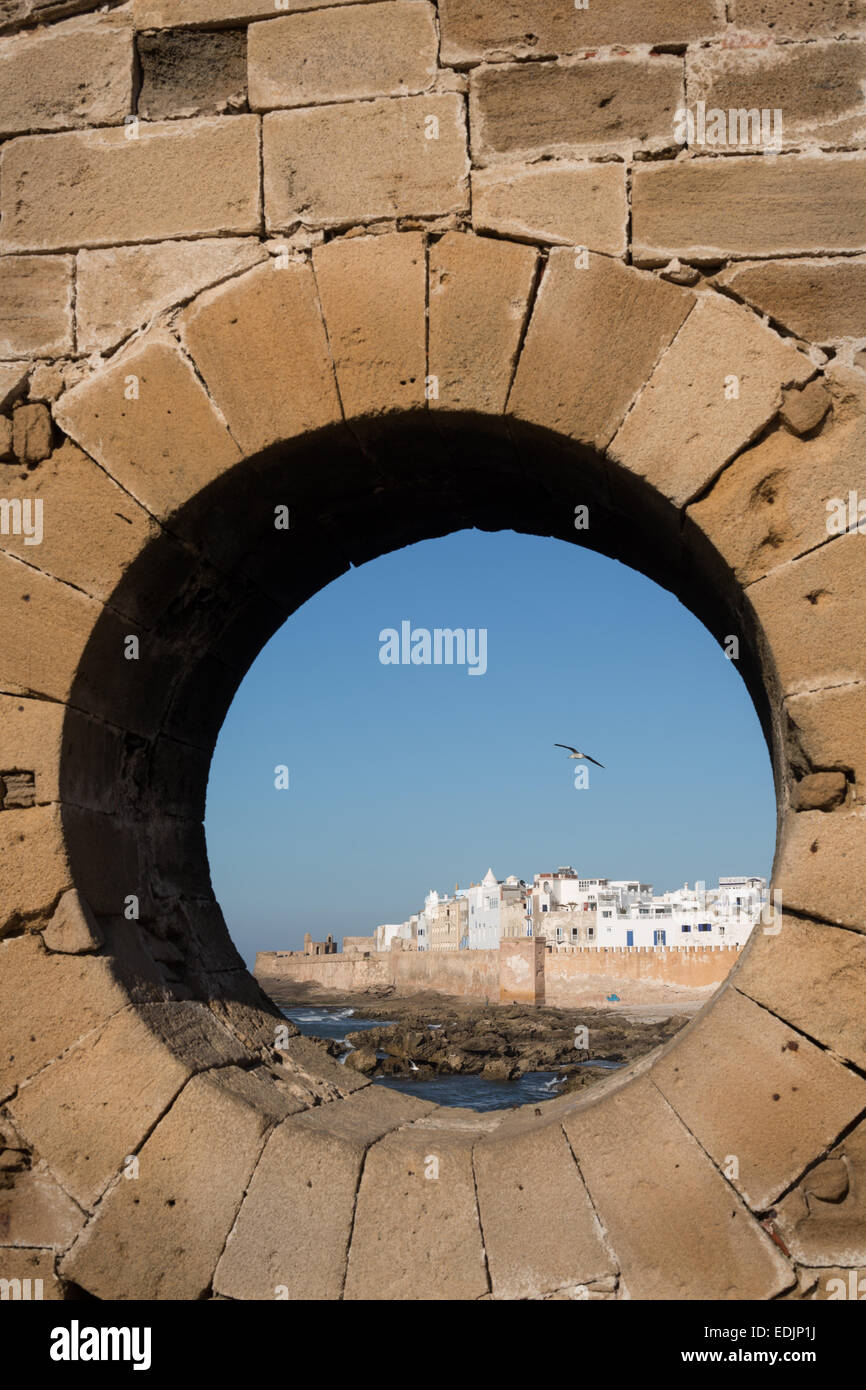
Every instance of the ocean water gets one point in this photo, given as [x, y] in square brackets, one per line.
[465, 1092]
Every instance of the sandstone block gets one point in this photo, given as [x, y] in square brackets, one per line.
[332, 166]
[71, 190]
[93, 1107]
[30, 733]
[73, 929]
[293, 1230]
[31, 433]
[594, 338]
[540, 1232]
[76, 74]
[31, 981]
[35, 306]
[533, 28]
[33, 1269]
[125, 287]
[260, 344]
[708, 209]
[800, 18]
[774, 502]
[34, 869]
[617, 104]
[193, 1171]
[823, 1221]
[13, 382]
[817, 88]
[166, 14]
[92, 530]
[778, 1101]
[163, 446]
[812, 614]
[563, 203]
[416, 1232]
[6, 455]
[34, 1211]
[812, 975]
[44, 627]
[343, 54]
[819, 300]
[479, 299]
[820, 791]
[185, 73]
[725, 370]
[664, 1205]
[373, 292]
[831, 727]
[822, 866]
[803, 408]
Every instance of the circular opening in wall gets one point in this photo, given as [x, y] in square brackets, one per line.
[422, 873]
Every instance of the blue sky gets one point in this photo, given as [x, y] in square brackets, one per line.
[406, 778]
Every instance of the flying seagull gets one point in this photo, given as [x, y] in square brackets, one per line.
[574, 754]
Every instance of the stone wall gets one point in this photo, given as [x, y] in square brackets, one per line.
[522, 971]
[398, 269]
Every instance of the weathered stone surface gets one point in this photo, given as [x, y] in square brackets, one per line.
[31, 982]
[821, 791]
[108, 532]
[13, 382]
[34, 870]
[166, 14]
[35, 1211]
[540, 1232]
[31, 433]
[479, 299]
[33, 1270]
[93, 1107]
[805, 607]
[73, 190]
[192, 74]
[35, 305]
[773, 502]
[823, 1221]
[822, 866]
[369, 50]
[6, 455]
[529, 109]
[73, 929]
[473, 29]
[44, 626]
[374, 292]
[260, 345]
[416, 1233]
[30, 732]
[332, 166]
[561, 202]
[292, 1234]
[814, 976]
[804, 408]
[125, 287]
[719, 342]
[819, 300]
[800, 18]
[159, 1235]
[77, 74]
[17, 790]
[831, 727]
[817, 89]
[594, 338]
[707, 209]
[163, 446]
[664, 1205]
[778, 1101]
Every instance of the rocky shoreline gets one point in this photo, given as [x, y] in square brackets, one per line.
[435, 1035]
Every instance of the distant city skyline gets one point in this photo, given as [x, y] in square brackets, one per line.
[405, 777]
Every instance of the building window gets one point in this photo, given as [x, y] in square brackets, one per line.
[705, 926]
[684, 928]
[544, 907]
